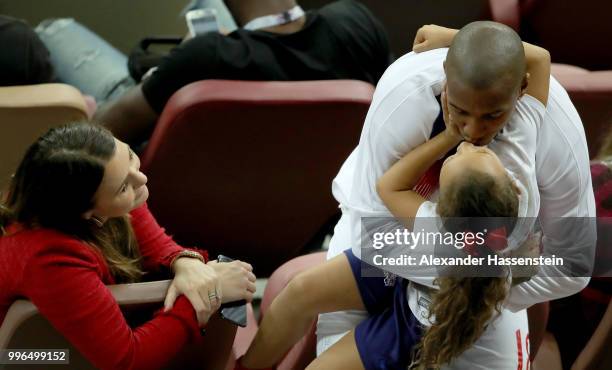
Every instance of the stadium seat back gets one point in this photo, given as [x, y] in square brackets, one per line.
[245, 168]
[26, 112]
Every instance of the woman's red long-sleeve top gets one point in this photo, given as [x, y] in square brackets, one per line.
[66, 280]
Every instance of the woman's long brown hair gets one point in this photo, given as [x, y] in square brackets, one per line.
[55, 185]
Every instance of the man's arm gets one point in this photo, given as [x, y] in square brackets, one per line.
[567, 205]
[400, 118]
[571, 238]
[130, 118]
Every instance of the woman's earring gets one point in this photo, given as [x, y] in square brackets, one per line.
[97, 221]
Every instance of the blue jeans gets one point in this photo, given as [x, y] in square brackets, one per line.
[83, 59]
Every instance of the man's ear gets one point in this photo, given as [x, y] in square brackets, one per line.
[524, 84]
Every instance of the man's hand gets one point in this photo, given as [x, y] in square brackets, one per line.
[431, 37]
[199, 283]
[237, 280]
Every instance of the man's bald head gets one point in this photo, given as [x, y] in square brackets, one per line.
[486, 54]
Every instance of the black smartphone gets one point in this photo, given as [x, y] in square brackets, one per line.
[234, 312]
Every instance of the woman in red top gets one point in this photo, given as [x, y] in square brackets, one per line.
[75, 220]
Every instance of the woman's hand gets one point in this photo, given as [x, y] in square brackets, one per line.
[237, 280]
[199, 283]
[431, 37]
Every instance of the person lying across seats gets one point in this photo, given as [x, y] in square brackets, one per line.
[27, 61]
[277, 41]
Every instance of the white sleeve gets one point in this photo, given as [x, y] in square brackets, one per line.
[392, 131]
[401, 117]
[567, 211]
[530, 111]
[386, 239]
[393, 128]
[516, 145]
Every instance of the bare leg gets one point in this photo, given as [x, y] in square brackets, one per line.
[548, 356]
[325, 288]
[538, 318]
[342, 355]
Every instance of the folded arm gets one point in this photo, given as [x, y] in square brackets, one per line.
[64, 282]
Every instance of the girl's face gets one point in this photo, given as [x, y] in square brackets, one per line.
[469, 156]
[123, 187]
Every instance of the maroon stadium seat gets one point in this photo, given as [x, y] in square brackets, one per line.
[303, 352]
[245, 168]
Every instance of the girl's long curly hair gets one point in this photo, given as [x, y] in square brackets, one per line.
[463, 306]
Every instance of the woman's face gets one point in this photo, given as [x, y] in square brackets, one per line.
[123, 187]
[469, 156]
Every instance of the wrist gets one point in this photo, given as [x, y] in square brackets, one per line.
[450, 35]
[184, 259]
[451, 137]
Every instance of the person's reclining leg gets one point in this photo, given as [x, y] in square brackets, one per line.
[290, 314]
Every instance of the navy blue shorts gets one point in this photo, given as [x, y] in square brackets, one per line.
[386, 338]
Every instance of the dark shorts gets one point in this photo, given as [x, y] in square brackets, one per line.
[386, 338]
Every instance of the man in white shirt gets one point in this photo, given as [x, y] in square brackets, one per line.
[402, 116]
